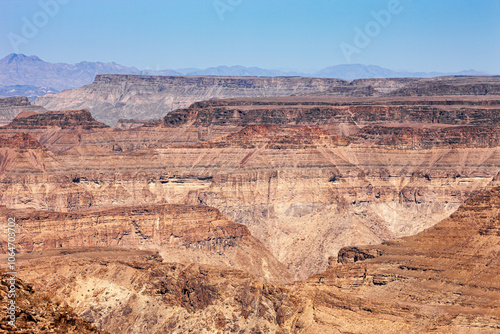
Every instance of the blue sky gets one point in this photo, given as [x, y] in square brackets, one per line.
[422, 35]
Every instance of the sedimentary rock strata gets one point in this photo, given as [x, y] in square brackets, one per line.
[127, 291]
[440, 280]
[10, 107]
[443, 279]
[112, 97]
[303, 191]
[180, 233]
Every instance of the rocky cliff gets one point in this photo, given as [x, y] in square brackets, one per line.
[426, 122]
[452, 85]
[113, 97]
[129, 291]
[38, 312]
[442, 280]
[10, 107]
[303, 191]
[180, 233]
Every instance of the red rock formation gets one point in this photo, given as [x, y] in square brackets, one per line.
[181, 233]
[67, 119]
[443, 279]
[21, 141]
[303, 191]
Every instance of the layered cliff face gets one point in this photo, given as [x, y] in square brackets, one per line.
[180, 233]
[60, 131]
[126, 216]
[441, 280]
[452, 85]
[306, 174]
[10, 107]
[303, 191]
[444, 279]
[413, 122]
[113, 97]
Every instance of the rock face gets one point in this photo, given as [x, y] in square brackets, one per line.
[68, 119]
[180, 233]
[112, 97]
[326, 173]
[443, 279]
[59, 130]
[309, 177]
[130, 123]
[452, 85]
[10, 107]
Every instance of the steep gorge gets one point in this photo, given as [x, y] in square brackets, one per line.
[304, 191]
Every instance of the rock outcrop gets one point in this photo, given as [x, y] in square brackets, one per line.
[127, 291]
[452, 85]
[441, 280]
[37, 312]
[58, 130]
[326, 173]
[180, 233]
[114, 97]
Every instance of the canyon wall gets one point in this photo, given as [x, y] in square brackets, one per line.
[179, 233]
[440, 280]
[303, 191]
[10, 107]
[113, 97]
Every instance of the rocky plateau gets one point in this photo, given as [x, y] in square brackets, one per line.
[248, 214]
[113, 96]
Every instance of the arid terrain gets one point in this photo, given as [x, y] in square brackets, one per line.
[258, 205]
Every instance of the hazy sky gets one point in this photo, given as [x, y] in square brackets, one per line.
[418, 35]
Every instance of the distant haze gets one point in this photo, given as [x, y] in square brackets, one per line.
[30, 76]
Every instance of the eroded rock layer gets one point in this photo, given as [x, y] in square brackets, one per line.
[112, 97]
[37, 312]
[10, 107]
[444, 279]
[130, 291]
[305, 190]
[180, 233]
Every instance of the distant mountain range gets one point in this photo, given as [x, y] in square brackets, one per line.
[30, 76]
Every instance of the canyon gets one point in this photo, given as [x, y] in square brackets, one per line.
[441, 280]
[248, 213]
